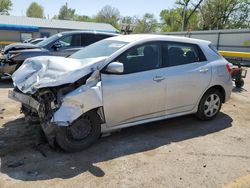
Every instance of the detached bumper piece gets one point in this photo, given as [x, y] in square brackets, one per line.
[25, 99]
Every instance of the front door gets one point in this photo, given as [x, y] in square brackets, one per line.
[138, 93]
[68, 45]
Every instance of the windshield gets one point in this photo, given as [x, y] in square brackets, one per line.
[99, 49]
[49, 40]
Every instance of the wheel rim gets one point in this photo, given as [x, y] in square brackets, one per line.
[80, 129]
[212, 105]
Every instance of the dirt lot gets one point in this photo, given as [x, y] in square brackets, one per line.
[181, 152]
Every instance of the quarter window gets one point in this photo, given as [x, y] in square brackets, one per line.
[181, 53]
[141, 58]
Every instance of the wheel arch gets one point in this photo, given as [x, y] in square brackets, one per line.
[218, 88]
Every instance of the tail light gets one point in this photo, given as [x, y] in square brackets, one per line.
[229, 68]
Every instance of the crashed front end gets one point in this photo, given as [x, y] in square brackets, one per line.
[7, 66]
[57, 90]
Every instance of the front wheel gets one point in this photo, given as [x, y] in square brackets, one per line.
[80, 134]
[209, 105]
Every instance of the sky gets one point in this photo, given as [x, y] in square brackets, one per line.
[91, 7]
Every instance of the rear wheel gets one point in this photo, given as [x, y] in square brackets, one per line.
[80, 134]
[209, 105]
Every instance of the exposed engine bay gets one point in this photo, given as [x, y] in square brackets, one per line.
[56, 106]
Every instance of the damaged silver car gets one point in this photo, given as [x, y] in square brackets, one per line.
[119, 82]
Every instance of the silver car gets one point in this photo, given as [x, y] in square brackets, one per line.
[120, 82]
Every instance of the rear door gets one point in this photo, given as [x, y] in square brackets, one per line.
[188, 75]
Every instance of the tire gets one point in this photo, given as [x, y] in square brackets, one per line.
[30, 117]
[210, 105]
[82, 133]
[239, 83]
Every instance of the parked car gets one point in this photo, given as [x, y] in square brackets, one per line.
[61, 44]
[120, 82]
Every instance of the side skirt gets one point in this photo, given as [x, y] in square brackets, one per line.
[106, 129]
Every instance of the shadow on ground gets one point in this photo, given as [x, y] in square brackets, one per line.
[6, 83]
[19, 144]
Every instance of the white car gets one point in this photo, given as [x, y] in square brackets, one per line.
[120, 82]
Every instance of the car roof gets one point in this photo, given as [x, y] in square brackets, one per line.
[160, 37]
[88, 32]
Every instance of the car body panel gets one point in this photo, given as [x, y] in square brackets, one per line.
[184, 85]
[132, 97]
[126, 99]
[49, 71]
[18, 46]
[73, 106]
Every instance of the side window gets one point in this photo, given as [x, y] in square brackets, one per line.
[66, 41]
[92, 38]
[89, 39]
[141, 58]
[72, 40]
[76, 40]
[181, 53]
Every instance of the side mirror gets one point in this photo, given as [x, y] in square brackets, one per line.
[115, 67]
[57, 45]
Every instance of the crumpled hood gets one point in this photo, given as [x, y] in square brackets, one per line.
[19, 46]
[49, 71]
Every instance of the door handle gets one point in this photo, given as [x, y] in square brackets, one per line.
[204, 70]
[159, 78]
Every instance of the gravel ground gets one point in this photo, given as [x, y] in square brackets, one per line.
[180, 152]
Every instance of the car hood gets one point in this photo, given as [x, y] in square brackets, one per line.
[49, 71]
[19, 46]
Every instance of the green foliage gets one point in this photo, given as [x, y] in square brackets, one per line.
[225, 14]
[66, 13]
[206, 14]
[83, 18]
[147, 24]
[128, 20]
[171, 20]
[35, 10]
[109, 15]
[5, 6]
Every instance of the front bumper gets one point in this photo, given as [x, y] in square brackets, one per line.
[24, 99]
[48, 128]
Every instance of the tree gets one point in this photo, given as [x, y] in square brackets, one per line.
[171, 19]
[83, 18]
[109, 15]
[35, 10]
[225, 14]
[128, 20]
[66, 13]
[5, 6]
[147, 24]
[189, 7]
